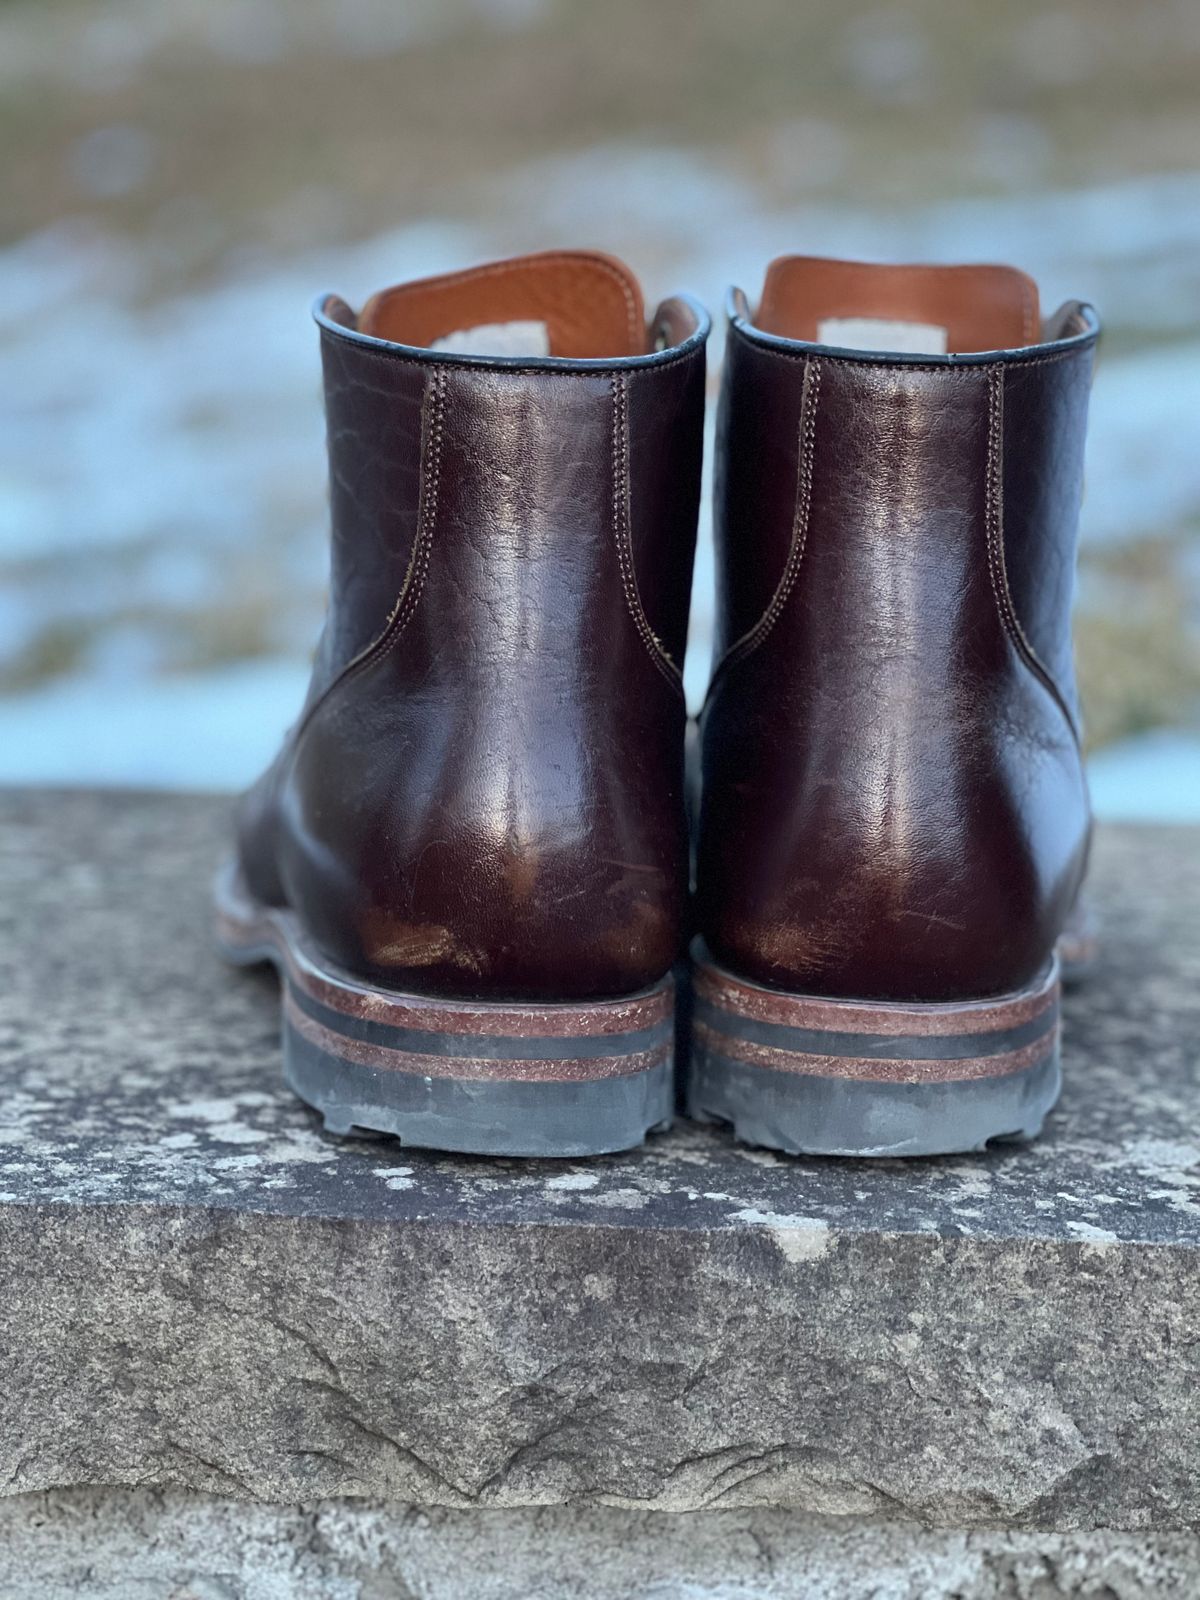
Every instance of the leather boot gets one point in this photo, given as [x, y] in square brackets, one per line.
[469, 861]
[894, 819]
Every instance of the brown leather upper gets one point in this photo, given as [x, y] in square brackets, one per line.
[893, 803]
[484, 795]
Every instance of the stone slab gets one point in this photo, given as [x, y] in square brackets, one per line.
[200, 1290]
[137, 1544]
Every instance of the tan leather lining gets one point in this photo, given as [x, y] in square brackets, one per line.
[981, 308]
[591, 304]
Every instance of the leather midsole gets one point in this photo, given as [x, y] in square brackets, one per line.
[884, 1041]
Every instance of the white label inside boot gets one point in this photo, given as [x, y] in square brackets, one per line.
[878, 333]
[497, 339]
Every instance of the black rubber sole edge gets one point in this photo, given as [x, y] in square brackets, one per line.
[810, 1115]
[486, 1114]
[496, 1117]
[810, 1075]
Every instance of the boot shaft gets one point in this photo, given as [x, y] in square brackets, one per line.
[517, 497]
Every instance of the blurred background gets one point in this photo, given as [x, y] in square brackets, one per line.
[181, 177]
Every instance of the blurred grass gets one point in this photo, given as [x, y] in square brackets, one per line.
[1137, 642]
[884, 102]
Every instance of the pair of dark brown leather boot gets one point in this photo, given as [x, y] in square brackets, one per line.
[471, 858]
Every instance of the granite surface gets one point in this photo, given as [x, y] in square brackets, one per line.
[201, 1289]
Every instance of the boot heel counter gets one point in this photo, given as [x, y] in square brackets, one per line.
[930, 912]
[451, 914]
[448, 852]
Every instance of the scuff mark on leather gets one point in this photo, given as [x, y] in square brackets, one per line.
[416, 944]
